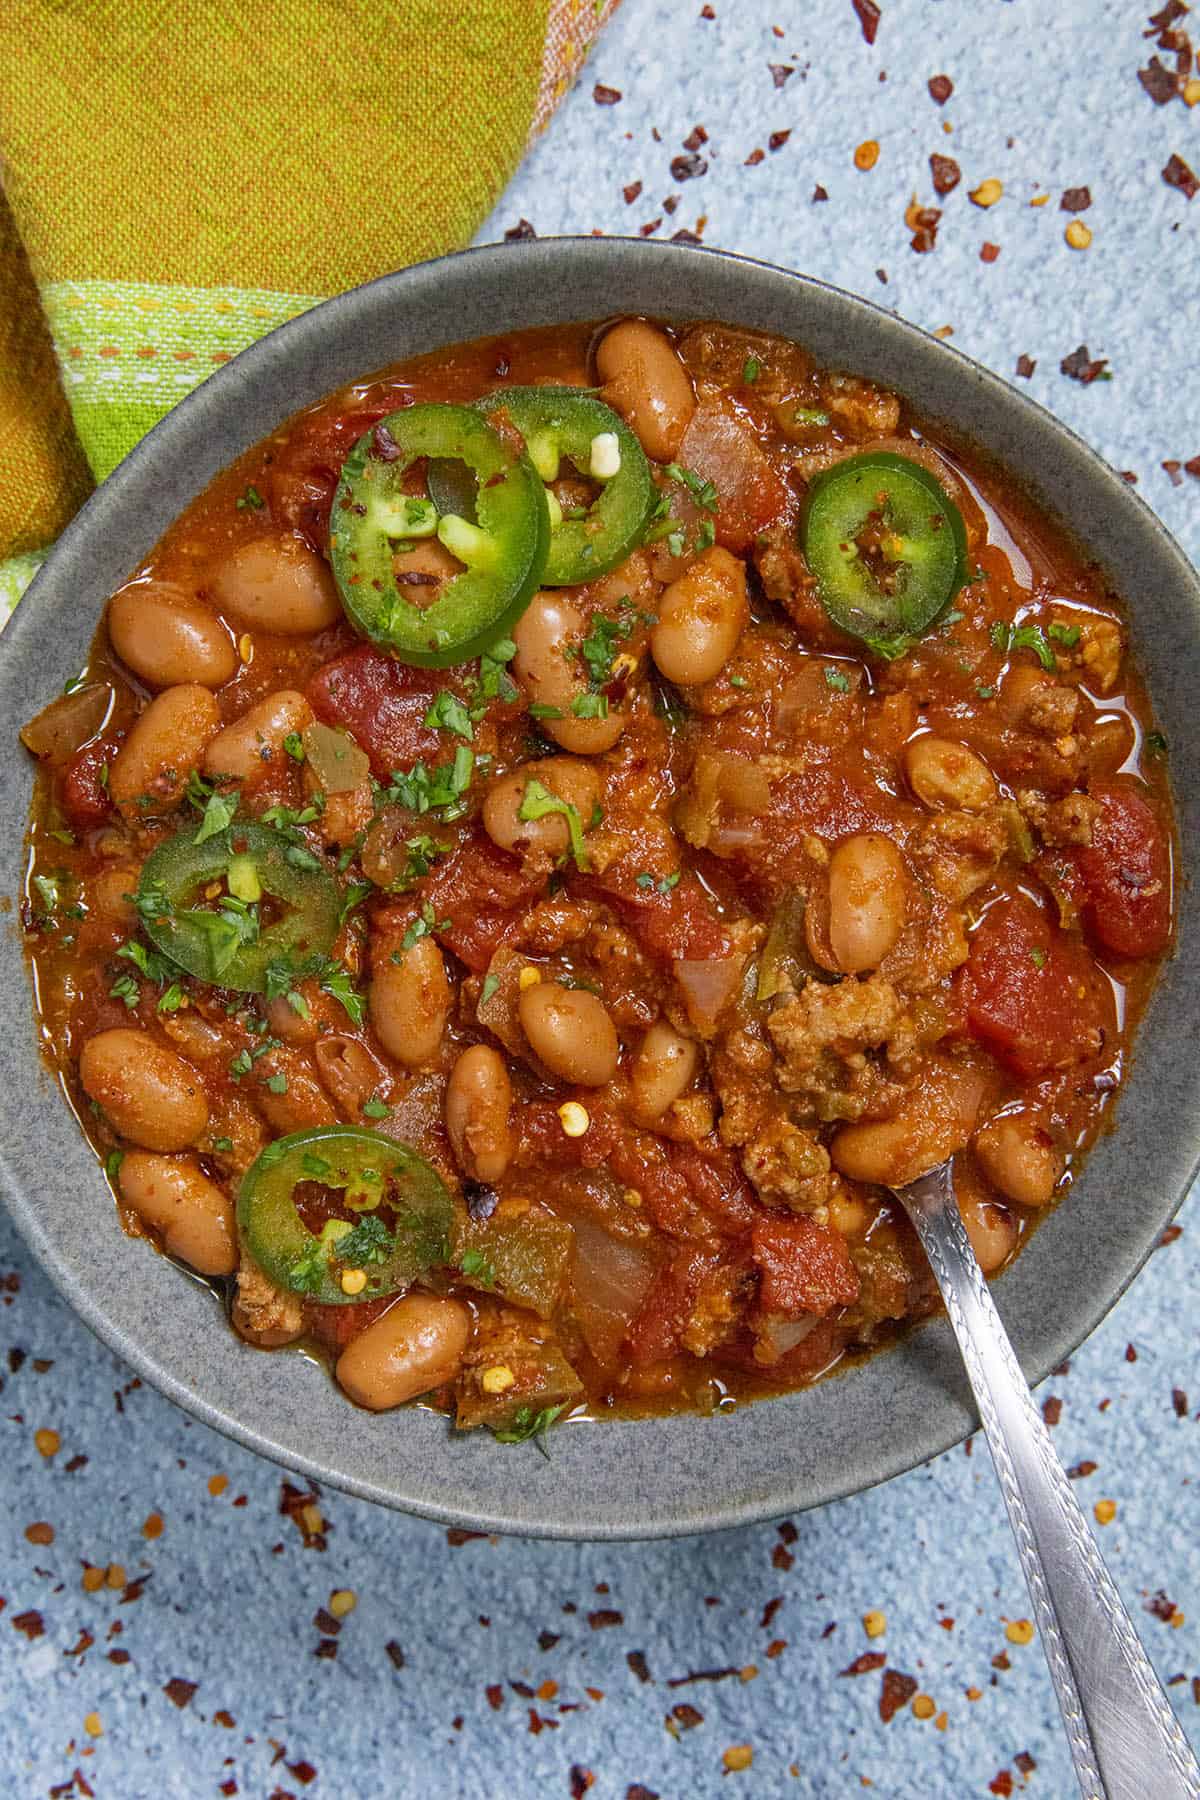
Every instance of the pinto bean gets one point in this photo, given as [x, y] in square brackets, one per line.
[935, 1118]
[1018, 1157]
[571, 1031]
[701, 617]
[478, 1113]
[991, 1229]
[944, 774]
[868, 898]
[564, 777]
[151, 769]
[148, 1094]
[548, 626]
[167, 637]
[416, 1345]
[410, 1002]
[254, 743]
[194, 1217]
[646, 382]
[663, 1069]
[276, 584]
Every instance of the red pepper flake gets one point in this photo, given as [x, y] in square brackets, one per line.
[1025, 1762]
[688, 168]
[636, 1660]
[1176, 174]
[495, 1696]
[778, 139]
[548, 1639]
[581, 1780]
[83, 1642]
[1001, 1784]
[1173, 1233]
[326, 1650]
[946, 173]
[325, 1623]
[685, 237]
[678, 1681]
[895, 1691]
[522, 229]
[769, 1611]
[923, 222]
[706, 12]
[776, 1647]
[1025, 367]
[869, 16]
[787, 1531]
[30, 1623]
[782, 1559]
[303, 1771]
[688, 1716]
[1161, 84]
[781, 73]
[1161, 1606]
[695, 137]
[538, 1722]
[118, 1656]
[1196, 1689]
[755, 157]
[631, 192]
[605, 96]
[940, 88]
[225, 1719]
[604, 1617]
[1081, 1470]
[1080, 366]
[395, 1654]
[16, 1357]
[988, 252]
[635, 1790]
[863, 1665]
[671, 203]
[522, 1689]
[180, 1692]
[946, 1624]
[829, 1630]
[1075, 200]
[818, 194]
[1130, 1353]
[649, 229]
[456, 1537]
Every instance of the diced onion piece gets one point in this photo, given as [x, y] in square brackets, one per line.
[708, 986]
[404, 515]
[59, 730]
[337, 763]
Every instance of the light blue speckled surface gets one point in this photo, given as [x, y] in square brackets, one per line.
[229, 1603]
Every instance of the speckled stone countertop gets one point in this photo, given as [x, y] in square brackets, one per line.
[176, 1622]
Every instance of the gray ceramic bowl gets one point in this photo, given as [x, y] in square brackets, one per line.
[618, 1480]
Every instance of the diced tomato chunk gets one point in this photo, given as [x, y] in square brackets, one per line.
[382, 703]
[84, 784]
[1033, 994]
[483, 894]
[678, 923]
[664, 1314]
[719, 448]
[1126, 874]
[805, 1267]
[335, 1326]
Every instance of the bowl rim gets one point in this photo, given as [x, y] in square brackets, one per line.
[947, 1413]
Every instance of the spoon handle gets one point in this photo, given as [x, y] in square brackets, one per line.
[1125, 1739]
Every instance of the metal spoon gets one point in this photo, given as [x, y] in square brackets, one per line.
[1125, 1740]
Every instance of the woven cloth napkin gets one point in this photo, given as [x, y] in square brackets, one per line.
[179, 177]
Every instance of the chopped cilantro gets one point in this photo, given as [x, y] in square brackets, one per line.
[706, 535]
[223, 1144]
[47, 892]
[810, 416]
[299, 856]
[72, 683]
[837, 679]
[538, 709]
[153, 903]
[1006, 638]
[369, 1242]
[441, 789]
[250, 501]
[448, 713]
[354, 896]
[315, 1167]
[293, 743]
[751, 370]
[891, 648]
[425, 922]
[475, 1264]
[241, 1065]
[1066, 635]
[702, 491]
[153, 966]
[218, 813]
[490, 984]
[590, 706]
[1038, 957]
[173, 999]
[1156, 744]
[526, 1425]
[374, 1108]
[539, 803]
[336, 982]
[197, 790]
[308, 1272]
[738, 681]
[599, 647]
[125, 988]
[112, 1163]
[278, 1083]
[986, 693]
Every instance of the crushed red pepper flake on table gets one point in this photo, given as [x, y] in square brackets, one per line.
[1173, 1233]
[896, 1690]
[1001, 1784]
[864, 1664]
[1179, 1401]
[1161, 84]
[818, 194]
[946, 173]
[923, 222]
[522, 229]
[649, 228]
[1052, 1409]
[1081, 366]
[781, 73]
[1160, 1605]
[940, 88]
[769, 1611]
[688, 168]
[636, 1660]
[605, 96]
[1025, 366]
[631, 192]
[988, 252]
[686, 1715]
[1075, 200]
[869, 15]
[581, 1780]
[1081, 1470]
[678, 1681]
[604, 1617]
[30, 1624]
[180, 1692]
[1131, 1355]
[1177, 174]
